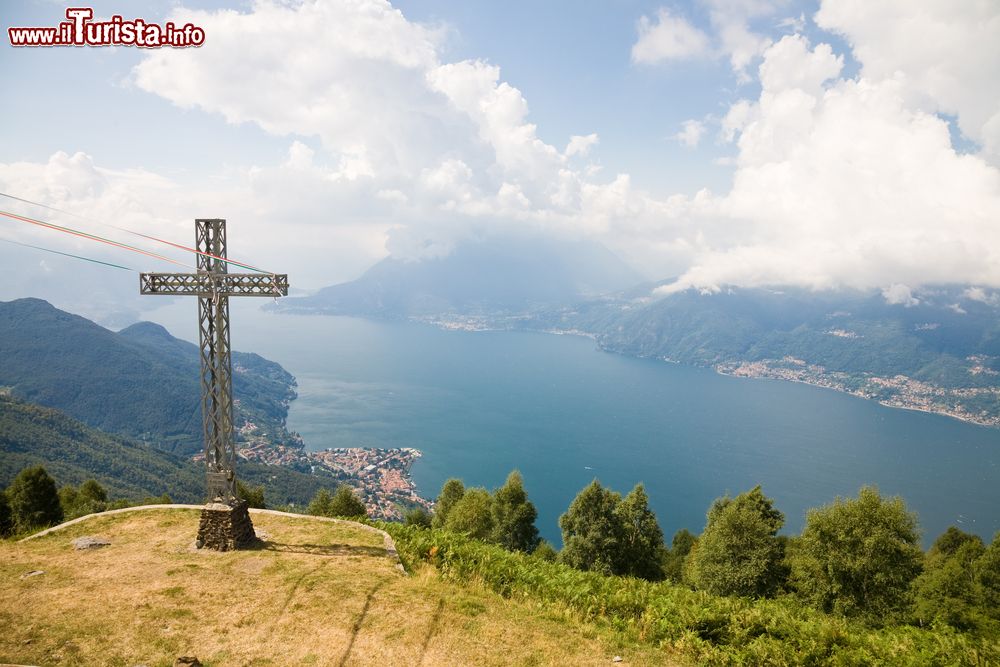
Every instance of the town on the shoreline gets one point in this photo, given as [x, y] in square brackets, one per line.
[899, 391]
[381, 477]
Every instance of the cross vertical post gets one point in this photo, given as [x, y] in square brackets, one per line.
[225, 523]
[216, 364]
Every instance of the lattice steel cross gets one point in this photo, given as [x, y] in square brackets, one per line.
[213, 285]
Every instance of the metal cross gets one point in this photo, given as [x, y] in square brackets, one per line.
[213, 285]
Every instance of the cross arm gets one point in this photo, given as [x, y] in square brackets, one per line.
[210, 284]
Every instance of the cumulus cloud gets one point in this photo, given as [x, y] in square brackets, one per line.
[580, 145]
[668, 37]
[945, 56]
[898, 294]
[731, 21]
[691, 133]
[841, 181]
[982, 296]
[401, 130]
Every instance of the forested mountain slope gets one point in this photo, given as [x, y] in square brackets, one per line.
[141, 382]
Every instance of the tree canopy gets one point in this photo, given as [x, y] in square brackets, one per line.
[34, 501]
[451, 493]
[591, 531]
[739, 552]
[858, 556]
[514, 516]
[472, 515]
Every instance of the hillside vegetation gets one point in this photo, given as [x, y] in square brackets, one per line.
[705, 629]
[316, 592]
[73, 452]
[141, 382]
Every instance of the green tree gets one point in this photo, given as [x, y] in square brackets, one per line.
[6, 519]
[417, 516]
[92, 491]
[680, 547]
[592, 531]
[988, 577]
[320, 504]
[34, 501]
[948, 590]
[642, 547]
[472, 515]
[69, 500]
[451, 493]
[514, 516]
[739, 552]
[345, 503]
[858, 557]
[88, 499]
[253, 495]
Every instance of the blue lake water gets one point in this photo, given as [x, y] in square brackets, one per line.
[562, 412]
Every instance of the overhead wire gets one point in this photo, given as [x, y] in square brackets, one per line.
[94, 237]
[66, 254]
[243, 265]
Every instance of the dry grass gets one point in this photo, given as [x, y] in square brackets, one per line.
[318, 594]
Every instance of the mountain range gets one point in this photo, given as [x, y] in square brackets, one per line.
[140, 382]
[511, 274]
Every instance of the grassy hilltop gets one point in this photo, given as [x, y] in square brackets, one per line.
[318, 593]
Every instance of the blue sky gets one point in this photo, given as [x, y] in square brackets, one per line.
[570, 60]
[827, 143]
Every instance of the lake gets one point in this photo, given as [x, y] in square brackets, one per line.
[479, 404]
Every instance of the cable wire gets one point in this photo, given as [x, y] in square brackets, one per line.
[243, 265]
[66, 254]
[93, 237]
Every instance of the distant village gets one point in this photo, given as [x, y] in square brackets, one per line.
[899, 391]
[381, 477]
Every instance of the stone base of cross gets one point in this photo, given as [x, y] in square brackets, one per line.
[225, 522]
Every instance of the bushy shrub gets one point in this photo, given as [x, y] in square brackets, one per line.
[253, 495]
[34, 501]
[342, 503]
[417, 516]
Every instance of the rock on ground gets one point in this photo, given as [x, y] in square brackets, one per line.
[90, 542]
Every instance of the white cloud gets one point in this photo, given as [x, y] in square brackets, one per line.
[898, 294]
[691, 133]
[266, 207]
[842, 182]
[668, 37]
[731, 22]
[945, 56]
[580, 145]
[793, 24]
[982, 296]
[421, 138]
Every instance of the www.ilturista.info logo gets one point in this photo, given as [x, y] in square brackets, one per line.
[81, 30]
